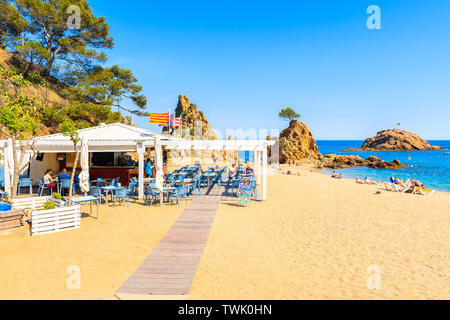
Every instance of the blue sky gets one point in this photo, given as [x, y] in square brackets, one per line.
[243, 61]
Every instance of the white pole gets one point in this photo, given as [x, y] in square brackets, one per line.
[259, 167]
[264, 174]
[140, 151]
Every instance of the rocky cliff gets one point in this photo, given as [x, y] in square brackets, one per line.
[193, 121]
[297, 143]
[341, 161]
[396, 140]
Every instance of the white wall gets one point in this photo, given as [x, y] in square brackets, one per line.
[38, 168]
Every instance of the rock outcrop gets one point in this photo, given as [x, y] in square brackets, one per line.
[297, 143]
[341, 161]
[396, 140]
[193, 121]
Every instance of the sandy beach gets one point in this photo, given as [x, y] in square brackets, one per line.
[314, 238]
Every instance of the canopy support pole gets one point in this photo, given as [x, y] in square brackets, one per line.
[140, 151]
[264, 184]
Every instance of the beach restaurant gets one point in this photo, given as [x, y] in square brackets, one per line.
[107, 151]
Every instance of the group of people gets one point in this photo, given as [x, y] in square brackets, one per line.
[334, 175]
[367, 180]
[232, 173]
[50, 179]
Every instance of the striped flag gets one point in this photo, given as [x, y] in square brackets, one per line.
[159, 118]
[174, 121]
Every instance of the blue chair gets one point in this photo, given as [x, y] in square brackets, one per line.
[121, 194]
[25, 183]
[113, 183]
[65, 184]
[151, 194]
[195, 187]
[178, 193]
[42, 188]
[131, 191]
[254, 188]
[97, 192]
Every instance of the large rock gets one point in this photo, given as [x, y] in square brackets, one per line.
[396, 140]
[297, 143]
[341, 161]
[194, 122]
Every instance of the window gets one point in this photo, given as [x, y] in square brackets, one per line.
[103, 159]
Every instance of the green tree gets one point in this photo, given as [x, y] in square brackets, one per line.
[11, 22]
[19, 121]
[69, 128]
[111, 87]
[288, 114]
[49, 40]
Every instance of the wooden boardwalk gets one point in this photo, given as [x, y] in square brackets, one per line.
[168, 272]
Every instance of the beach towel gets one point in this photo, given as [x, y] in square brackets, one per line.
[244, 192]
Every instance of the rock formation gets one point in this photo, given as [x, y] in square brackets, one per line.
[194, 125]
[193, 121]
[297, 143]
[396, 140]
[340, 161]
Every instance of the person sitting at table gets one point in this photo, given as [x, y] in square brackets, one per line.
[249, 170]
[232, 172]
[64, 175]
[49, 181]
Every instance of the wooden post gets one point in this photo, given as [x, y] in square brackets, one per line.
[140, 151]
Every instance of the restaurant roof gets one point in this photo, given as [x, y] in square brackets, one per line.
[110, 132]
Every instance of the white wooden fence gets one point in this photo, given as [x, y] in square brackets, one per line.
[55, 220]
[30, 203]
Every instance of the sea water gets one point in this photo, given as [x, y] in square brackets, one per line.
[432, 168]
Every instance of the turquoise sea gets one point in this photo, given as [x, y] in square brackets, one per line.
[432, 168]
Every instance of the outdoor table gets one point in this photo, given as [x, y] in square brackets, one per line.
[87, 199]
[209, 176]
[109, 189]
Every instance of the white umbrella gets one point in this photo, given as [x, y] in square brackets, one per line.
[10, 160]
[159, 181]
[84, 162]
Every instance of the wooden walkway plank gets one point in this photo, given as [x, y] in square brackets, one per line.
[168, 271]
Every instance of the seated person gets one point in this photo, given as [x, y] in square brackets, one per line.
[359, 180]
[334, 175]
[232, 172]
[248, 170]
[64, 175]
[49, 181]
[341, 176]
[417, 186]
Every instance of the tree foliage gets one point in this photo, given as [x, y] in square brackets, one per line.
[49, 40]
[110, 87]
[288, 114]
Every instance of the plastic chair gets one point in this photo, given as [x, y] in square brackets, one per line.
[131, 191]
[121, 194]
[65, 184]
[179, 193]
[96, 192]
[42, 187]
[25, 183]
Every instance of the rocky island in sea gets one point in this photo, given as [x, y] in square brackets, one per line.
[396, 140]
[297, 143]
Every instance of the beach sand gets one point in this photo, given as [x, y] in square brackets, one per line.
[314, 238]
[107, 252]
[321, 238]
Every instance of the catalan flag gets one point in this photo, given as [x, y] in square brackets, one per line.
[159, 118]
[174, 121]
